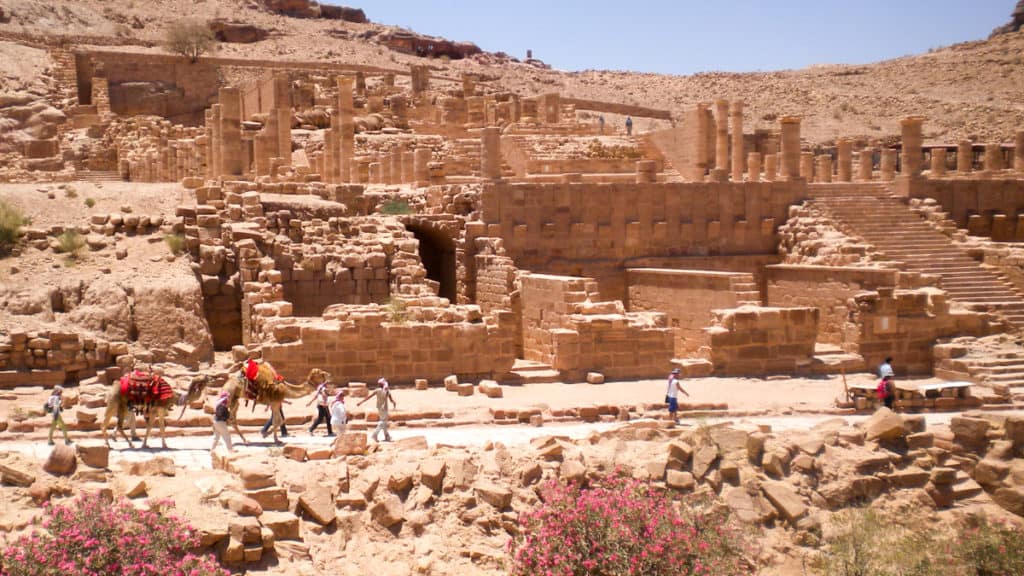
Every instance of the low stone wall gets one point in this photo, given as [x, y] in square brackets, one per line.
[758, 341]
[567, 326]
[363, 345]
[687, 297]
[49, 358]
[985, 207]
[827, 288]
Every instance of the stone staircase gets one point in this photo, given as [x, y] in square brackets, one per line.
[464, 159]
[98, 176]
[904, 237]
[745, 289]
[530, 372]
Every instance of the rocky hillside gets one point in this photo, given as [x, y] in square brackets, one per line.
[971, 90]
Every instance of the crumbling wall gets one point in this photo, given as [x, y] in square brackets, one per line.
[905, 324]
[754, 340]
[827, 288]
[984, 207]
[687, 297]
[567, 326]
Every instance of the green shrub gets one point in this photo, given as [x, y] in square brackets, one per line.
[176, 243]
[867, 543]
[70, 192]
[89, 202]
[396, 207]
[11, 221]
[395, 309]
[189, 37]
[990, 549]
[71, 243]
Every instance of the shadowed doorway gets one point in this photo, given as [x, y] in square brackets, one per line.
[437, 252]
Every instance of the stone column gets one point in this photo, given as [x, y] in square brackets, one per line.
[807, 166]
[865, 164]
[347, 128]
[396, 166]
[374, 174]
[738, 157]
[938, 162]
[490, 153]
[722, 135]
[271, 132]
[888, 166]
[790, 128]
[360, 84]
[330, 172]
[964, 157]
[771, 166]
[993, 157]
[230, 131]
[283, 105]
[910, 127]
[844, 154]
[407, 168]
[825, 168]
[468, 86]
[754, 166]
[1018, 151]
[215, 142]
[552, 108]
[385, 169]
[261, 164]
[646, 171]
[421, 171]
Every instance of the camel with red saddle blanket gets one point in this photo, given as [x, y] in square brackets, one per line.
[259, 383]
[145, 393]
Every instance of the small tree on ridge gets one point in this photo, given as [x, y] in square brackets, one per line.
[189, 37]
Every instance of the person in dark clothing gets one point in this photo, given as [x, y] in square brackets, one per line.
[270, 422]
[322, 414]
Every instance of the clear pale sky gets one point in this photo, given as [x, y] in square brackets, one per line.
[688, 36]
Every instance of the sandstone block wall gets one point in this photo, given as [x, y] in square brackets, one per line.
[753, 340]
[567, 326]
[49, 357]
[365, 345]
[975, 204]
[904, 324]
[556, 228]
[687, 297]
[827, 288]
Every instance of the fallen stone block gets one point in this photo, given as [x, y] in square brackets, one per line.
[318, 502]
[491, 389]
[785, 499]
[61, 461]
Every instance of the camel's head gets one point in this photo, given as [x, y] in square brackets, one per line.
[195, 389]
[317, 377]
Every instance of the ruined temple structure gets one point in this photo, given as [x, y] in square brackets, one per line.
[371, 221]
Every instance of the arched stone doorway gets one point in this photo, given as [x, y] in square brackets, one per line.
[437, 252]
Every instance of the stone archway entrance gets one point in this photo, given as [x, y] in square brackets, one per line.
[437, 252]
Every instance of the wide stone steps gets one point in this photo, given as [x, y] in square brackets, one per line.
[98, 175]
[530, 372]
[903, 237]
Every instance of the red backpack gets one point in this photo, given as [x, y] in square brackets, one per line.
[883, 389]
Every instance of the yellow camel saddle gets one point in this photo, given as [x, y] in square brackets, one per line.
[143, 389]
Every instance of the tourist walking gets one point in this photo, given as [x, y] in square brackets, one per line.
[322, 415]
[886, 391]
[383, 395]
[220, 422]
[885, 368]
[270, 422]
[672, 394]
[55, 405]
[629, 126]
[600, 124]
[338, 415]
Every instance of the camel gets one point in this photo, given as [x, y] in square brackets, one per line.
[270, 390]
[157, 409]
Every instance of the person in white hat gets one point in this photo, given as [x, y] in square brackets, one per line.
[338, 415]
[382, 394]
[221, 413]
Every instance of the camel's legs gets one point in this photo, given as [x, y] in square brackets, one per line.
[120, 426]
[163, 425]
[234, 422]
[149, 427]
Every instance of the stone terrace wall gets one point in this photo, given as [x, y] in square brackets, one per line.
[687, 297]
[975, 204]
[566, 326]
[827, 288]
[753, 340]
[905, 324]
[579, 228]
[363, 345]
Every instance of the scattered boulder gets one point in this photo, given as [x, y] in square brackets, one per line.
[93, 454]
[13, 474]
[256, 475]
[61, 461]
[318, 502]
[388, 512]
[350, 444]
[785, 499]
[432, 474]
[495, 495]
[884, 424]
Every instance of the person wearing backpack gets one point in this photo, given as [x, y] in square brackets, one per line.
[886, 391]
[54, 405]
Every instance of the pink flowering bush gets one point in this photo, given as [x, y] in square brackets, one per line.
[623, 527]
[991, 549]
[92, 537]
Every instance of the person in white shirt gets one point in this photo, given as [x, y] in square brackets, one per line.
[338, 415]
[382, 395]
[672, 394]
[54, 404]
[885, 369]
[322, 413]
